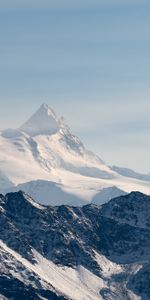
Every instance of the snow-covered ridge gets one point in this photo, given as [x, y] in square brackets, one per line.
[130, 173]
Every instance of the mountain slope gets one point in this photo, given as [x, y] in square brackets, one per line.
[5, 183]
[73, 252]
[44, 149]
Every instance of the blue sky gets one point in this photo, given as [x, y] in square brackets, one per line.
[90, 61]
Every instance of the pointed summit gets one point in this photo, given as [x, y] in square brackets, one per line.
[43, 121]
[45, 109]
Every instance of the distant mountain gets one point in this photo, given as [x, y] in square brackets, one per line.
[5, 183]
[46, 192]
[44, 153]
[90, 252]
[107, 194]
[130, 173]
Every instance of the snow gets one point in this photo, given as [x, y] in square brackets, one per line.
[44, 121]
[5, 183]
[110, 269]
[107, 194]
[35, 204]
[44, 150]
[46, 192]
[130, 173]
[75, 284]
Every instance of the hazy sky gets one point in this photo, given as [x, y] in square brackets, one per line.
[90, 61]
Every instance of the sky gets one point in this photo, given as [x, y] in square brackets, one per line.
[90, 61]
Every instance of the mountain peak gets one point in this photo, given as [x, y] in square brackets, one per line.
[46, 109]
[43, 121]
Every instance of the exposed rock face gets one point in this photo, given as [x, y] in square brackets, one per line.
[111, 243]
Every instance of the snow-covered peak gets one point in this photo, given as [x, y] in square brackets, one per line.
[47, 110]
[45, 150]
[43, 121]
